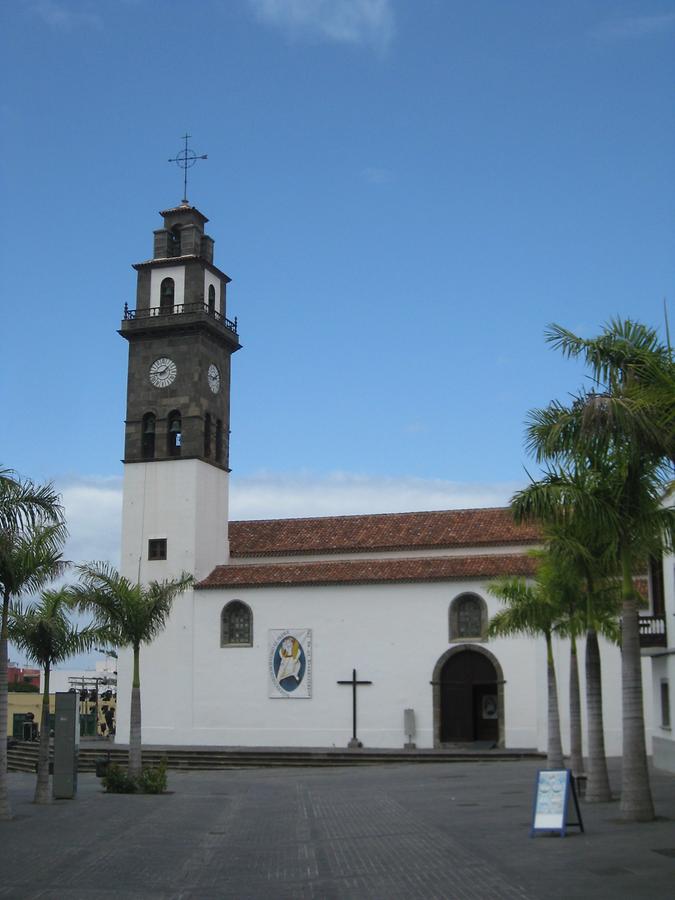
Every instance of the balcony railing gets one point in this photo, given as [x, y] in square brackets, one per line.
[176, 310]
[653, 631]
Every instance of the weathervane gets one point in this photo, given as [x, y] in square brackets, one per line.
[186, 160]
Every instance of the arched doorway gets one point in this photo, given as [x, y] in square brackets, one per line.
[468, 697]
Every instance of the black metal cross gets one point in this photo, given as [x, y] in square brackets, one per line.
[355, 742]
[186, 160]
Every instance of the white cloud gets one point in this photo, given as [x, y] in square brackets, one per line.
[93, 509]
[631, 27]
[94, 505]
[342, 21]
[65, 16]
[271, 495]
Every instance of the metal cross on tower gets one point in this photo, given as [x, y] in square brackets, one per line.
[186, 160]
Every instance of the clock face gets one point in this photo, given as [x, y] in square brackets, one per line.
[214, 378]
[163, 372]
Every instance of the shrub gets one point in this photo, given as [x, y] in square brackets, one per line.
[116, 781]
[153, 780]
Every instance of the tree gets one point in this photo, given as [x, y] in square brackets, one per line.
[572, 506]
[626, 425]
[132, 615]
[530, 610]
[46, 635]
[23, 503]
[564, 588]
[32, 533]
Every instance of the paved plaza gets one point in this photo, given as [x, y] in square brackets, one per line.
[433, 831]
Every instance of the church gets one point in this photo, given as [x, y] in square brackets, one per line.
[340, 631]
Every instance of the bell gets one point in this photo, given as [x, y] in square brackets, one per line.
[174, 427]
[149, 427]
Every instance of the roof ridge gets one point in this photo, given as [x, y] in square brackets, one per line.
[420, 512]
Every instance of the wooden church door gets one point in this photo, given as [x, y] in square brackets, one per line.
[469, 709]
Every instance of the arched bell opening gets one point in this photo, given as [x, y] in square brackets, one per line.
[207, 435]
[166, 296]
[174, 435]
[148, 436]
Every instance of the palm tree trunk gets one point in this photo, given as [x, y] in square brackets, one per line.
[135, 752]
[5, 808]
[598, 790]
[554, 750]
[42, 794]
[576, 755]
[636, 796]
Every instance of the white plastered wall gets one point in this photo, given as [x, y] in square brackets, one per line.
[663, 669]
[157, 276]
[161, 500]
[610, 660]
[392, 634]
[211, 279]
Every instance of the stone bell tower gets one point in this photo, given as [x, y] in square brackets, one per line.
[176, 448]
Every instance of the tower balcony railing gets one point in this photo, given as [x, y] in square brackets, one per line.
[653, 631]
[179, 309]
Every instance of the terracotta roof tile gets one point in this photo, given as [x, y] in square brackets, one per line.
[425, 568]
[389, 531]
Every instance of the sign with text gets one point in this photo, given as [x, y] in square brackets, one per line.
[555, 802]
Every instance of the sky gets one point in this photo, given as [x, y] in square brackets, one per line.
[404, 192]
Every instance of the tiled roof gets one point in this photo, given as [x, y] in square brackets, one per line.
[425, 568]
[184, 207]
[390, 531]
[160, 261]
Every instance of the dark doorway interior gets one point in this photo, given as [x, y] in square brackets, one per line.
[469, 699]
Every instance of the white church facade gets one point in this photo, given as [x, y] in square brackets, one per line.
[287, 614]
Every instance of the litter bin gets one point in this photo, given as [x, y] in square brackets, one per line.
[102, 763]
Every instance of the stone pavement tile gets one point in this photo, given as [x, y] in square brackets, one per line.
[450, 831]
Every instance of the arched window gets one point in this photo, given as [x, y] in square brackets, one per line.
[236, 625]
[148, 436]
[219, 441]
[174, 433]
[166, 292]
[207, 435]
[212, 300]
[174, 241]
[468, 618]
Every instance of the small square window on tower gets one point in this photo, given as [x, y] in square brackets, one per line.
[157, 548]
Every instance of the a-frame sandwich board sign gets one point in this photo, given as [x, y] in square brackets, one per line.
[555, 803]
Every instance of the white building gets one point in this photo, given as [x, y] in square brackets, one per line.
[105, 672]
[286, 610]
[663, 667]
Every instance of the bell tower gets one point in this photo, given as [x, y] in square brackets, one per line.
[176, 448]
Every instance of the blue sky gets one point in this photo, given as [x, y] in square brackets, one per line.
[405, 193]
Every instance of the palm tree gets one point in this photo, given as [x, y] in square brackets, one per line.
[627, 425]
[572, 504]
[46, 635]
[529, 610]
[131, 614]
[570, 625]
[22, 502]
[32, 532]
